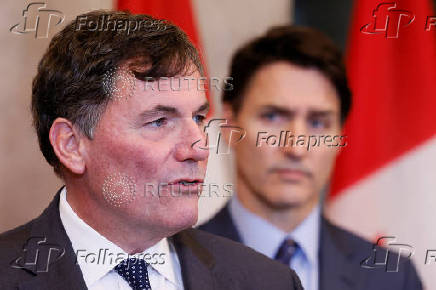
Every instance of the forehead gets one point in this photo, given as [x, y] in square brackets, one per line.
[291, 86]
[181, 92]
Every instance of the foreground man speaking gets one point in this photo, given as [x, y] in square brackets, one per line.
[110, 124]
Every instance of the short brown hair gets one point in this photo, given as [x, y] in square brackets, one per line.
[302, 46]
[69, 81]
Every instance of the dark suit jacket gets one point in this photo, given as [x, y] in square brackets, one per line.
[207, 261]
[340, 257]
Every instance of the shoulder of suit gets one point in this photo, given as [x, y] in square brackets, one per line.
[12, 243]
[344, 238]
[358, 246]
[14, 236]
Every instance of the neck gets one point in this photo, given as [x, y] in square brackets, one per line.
[109, 223]
[285, 218]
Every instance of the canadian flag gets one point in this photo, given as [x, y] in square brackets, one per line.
[385, 179]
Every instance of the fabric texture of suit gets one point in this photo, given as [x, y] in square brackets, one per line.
[341, 254]
[207, 261]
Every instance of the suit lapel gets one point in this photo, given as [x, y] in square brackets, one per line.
[222, 225]
[196, 261]
[335, 260]
[56, 261]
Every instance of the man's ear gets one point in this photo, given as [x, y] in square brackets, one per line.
[66, 142]
[230, 119]
[228, 113]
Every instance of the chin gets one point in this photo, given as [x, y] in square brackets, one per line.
[287, 198]
[183, 216]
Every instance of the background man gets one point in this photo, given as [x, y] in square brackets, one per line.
[292, 98]
[110, 134]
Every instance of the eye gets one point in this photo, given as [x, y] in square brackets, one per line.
[199, 119]
[270, 116]
[318, 123]
[157, 123]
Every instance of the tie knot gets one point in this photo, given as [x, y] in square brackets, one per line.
[286, 251]
[134, 271]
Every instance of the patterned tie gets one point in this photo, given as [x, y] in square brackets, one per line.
[286, 250]
[134, 271]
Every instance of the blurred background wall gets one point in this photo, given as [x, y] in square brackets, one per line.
[27, 182]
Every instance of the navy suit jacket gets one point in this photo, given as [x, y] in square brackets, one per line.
[39, 256]
[340, 256]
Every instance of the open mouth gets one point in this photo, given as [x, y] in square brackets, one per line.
[187, 182]
[183, 182]
[185, 186]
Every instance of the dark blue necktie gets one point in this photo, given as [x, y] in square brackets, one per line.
[134, 271]
[286, 251]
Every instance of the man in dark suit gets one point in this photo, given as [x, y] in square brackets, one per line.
[111, 123]
[290, 95]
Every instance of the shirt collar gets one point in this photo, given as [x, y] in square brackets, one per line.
[306, 234]
[94, 250]
[253, 230]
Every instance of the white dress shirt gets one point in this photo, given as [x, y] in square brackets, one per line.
[97, 256]
[265, 238]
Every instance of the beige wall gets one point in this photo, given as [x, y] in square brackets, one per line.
[27, 183]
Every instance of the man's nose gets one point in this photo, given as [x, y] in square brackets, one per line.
[293, 149]
[191, 145]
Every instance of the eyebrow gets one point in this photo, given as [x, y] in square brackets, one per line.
[158, 109]
[286, 111]
[276, 108]
[203, 108]
[321, 113]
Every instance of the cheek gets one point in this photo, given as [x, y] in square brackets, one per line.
[323, 163]
[149, 162]
[140, 160]
[254, 161]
